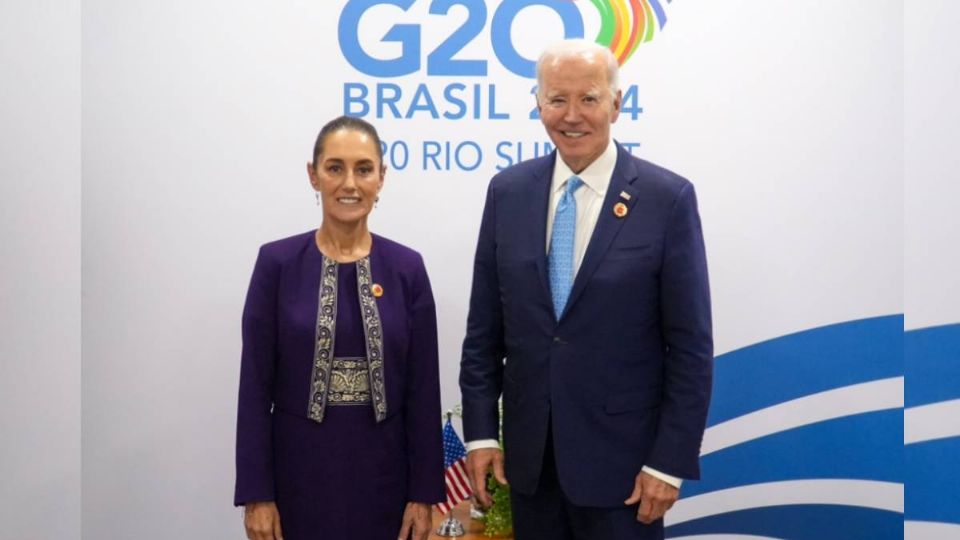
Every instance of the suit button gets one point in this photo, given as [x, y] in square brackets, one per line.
[558, 341]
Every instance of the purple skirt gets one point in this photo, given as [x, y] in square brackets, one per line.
[342, 479]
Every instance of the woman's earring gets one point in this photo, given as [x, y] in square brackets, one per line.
[375, 201]
[317, 193]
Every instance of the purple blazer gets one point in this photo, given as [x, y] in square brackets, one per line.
[278, 352]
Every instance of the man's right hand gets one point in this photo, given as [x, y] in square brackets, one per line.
[479, 462]
[262, 521]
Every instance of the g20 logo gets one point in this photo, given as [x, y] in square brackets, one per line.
[624, 24]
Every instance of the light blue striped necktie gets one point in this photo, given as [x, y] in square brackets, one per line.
[560, 258]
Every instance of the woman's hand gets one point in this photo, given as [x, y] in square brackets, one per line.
[262, 521]
[416, 522]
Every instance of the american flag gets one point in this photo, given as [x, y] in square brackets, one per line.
[454, 458]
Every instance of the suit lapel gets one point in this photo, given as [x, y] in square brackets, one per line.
[608, 224]
[539, 198]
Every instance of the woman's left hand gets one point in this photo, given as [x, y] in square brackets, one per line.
[416, 522]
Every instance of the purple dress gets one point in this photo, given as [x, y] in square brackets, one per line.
[339, 408]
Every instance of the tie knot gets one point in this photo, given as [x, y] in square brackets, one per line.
[573, 183]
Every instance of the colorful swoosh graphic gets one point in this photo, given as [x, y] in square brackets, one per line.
[625, 24]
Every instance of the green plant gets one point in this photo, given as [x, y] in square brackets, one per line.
[498, 519]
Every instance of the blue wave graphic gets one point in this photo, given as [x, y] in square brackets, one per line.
[805, 363]
[933, 367]
[865, 446]
[933, 467]
[933, 481]
[800, 522]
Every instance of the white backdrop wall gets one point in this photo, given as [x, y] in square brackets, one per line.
[931, 267]
[198, 119]
[40, 269]
[932, 117]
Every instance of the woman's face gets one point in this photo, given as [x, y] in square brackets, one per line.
[348, 175]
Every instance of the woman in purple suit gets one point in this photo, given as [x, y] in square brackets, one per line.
[338, 429]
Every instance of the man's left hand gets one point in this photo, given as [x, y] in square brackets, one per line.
[655, 497]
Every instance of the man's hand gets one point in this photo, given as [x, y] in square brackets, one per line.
[262, 521]
[416, 522]
[479, 462]
[655, 497]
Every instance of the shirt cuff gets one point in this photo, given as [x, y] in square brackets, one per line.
[672, 480]
[481, 443]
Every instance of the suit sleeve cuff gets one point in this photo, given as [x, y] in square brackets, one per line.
[481, 443]
[672, 480]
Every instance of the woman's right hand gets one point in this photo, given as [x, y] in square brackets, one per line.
[262, 521]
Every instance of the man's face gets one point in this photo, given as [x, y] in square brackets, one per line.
[577, 108]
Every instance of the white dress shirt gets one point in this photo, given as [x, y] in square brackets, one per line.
[589, 197]
[596, 179]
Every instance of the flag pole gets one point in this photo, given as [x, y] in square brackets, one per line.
[451, 526]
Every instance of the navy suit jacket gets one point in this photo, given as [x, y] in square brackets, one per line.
[624, 376]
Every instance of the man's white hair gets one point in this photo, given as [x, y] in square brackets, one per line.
[587, 50]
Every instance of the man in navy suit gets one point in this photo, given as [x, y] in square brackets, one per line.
[590, 314]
